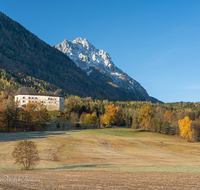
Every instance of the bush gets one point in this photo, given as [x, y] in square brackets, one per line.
[58, 126]
[78, 126]
[26, 154]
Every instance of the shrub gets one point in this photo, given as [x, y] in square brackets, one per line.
[58, 126]
[78, 126]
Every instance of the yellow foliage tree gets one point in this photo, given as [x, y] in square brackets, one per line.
[145, 116]
[91, 119]
[88, 120]
[185, 128]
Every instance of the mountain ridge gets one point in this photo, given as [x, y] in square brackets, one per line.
[86, 57]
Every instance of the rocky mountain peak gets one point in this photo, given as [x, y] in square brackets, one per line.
[87, 57]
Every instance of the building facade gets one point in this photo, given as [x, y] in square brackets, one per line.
[54, 101]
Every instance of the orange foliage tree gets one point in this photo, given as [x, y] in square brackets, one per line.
[185, 128]
[168, 116]
[111, 115]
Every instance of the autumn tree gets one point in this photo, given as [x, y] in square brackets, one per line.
[73, 118]
[135, 123]
[127, 117]
[73, 104]
[145, 116]
[26, 154]
[40, 113]
[63, 114]
[185, 128]
[102, 121]
[111, 115]
[120, 117]
[82, 119]
[91, 119]
[168, 116]
[7, 113]
[88, 119]
[29, 112]
[101, 108]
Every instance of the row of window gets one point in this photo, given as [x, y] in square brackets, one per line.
[51, 98]
[29, 101]
[28, 98]
[36, 102]
[37, 98]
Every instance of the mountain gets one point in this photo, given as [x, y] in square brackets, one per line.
[24, 54]
[99, 67]
[28, 61]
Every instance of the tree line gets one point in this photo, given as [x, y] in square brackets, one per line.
[172, 118]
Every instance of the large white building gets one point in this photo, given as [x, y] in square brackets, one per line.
[54, 101]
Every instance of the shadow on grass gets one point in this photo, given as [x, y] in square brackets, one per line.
[6, 137]
[77, 166]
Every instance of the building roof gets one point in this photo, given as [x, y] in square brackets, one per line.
[31, 91]
[25, 91]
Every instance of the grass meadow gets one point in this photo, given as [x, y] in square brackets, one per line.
[113, 149]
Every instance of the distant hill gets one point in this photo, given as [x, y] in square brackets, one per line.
[24, 55]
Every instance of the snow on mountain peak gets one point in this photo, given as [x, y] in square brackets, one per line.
[85, 55]
[82, 41]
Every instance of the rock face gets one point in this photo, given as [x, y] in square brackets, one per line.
[99, 66]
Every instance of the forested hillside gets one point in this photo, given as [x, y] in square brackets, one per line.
[23, 52]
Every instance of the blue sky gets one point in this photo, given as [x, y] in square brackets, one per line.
[156, 42]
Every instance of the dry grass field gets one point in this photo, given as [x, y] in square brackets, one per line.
[97, 156]
[115, 149]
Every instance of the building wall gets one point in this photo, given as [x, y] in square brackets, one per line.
[51, 102]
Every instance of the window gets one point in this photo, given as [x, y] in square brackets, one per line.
[23, 97]
[17, 98]
[51, 98]
[23, 100]
[32, 97]
[42, 101]
[32, 101]
[29, 98]
[35, 101]
[35, 97]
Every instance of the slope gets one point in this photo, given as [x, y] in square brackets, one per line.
[24, 53]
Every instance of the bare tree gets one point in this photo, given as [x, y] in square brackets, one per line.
[26, 154]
